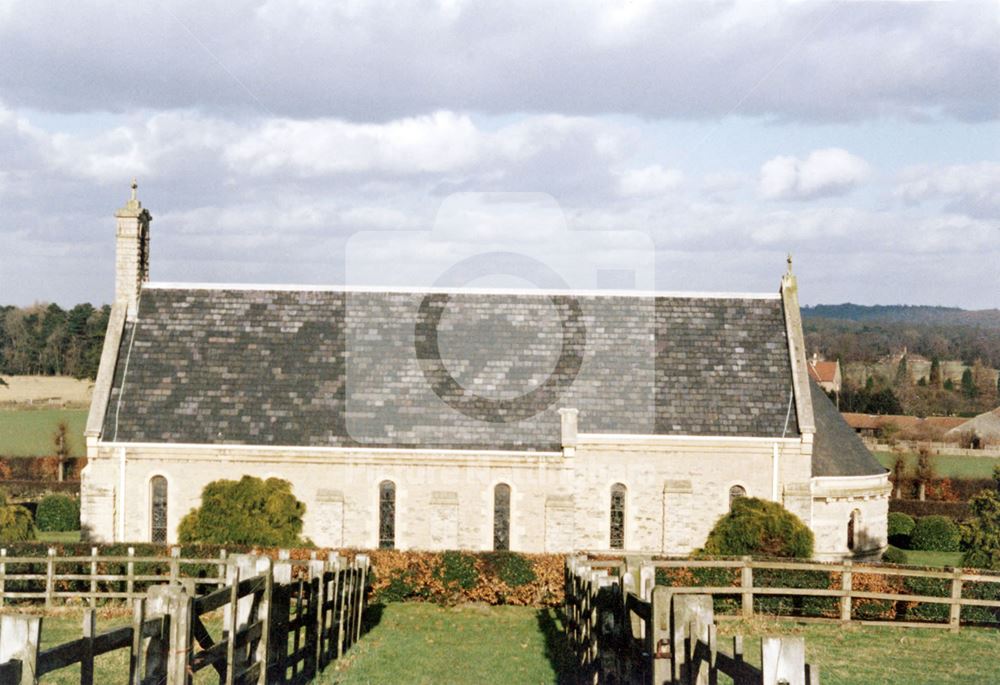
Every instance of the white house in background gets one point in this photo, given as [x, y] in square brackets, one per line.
[474, 419]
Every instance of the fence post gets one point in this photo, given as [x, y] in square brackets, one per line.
[87, 655]
[222, 570]
[955, 610]
[175, 564]
[783, 660]
[362, 581]
[3, 575]
[846, 581]
[278, 622]
[19, 639]
[179, 607]
[136, 661]
[93, 580]
[746, 584]
[658, 637]
[50, 577]
[317, 574]
[266, 567]
[130, 575]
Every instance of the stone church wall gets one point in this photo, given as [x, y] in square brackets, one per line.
[444, 500]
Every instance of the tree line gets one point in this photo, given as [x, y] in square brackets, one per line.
[868, 341]
[47, 340]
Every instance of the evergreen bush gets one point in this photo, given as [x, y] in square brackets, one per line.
[58, 513]
[894, 555]
[249, 511]
[935, 533]
[900, 529]
[16, 524]
[759, 527]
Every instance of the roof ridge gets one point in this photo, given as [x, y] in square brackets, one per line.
[583, 292]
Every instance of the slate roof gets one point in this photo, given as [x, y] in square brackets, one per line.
[469, 370]
[837, 449]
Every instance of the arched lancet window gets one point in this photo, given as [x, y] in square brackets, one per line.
[387, 515]
[501, 517]
[853, 524]
[618, 516]
[158, 509]
[735, 493]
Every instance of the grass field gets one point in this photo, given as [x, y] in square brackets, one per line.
[61, 390]
[939, 559]
[59, 536]
[425, 643]
[28, 432]
[869, 654]
[947, 466]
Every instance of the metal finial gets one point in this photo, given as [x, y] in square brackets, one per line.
[789, 263]
[135, 186]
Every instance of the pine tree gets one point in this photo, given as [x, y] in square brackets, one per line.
[935, 375]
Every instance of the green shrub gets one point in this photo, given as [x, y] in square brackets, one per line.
[935, 533]
[249, 511]
[16, 524]
[894, 555]
[512, 569]
[980, 533]
[458, 570]
[58, 513]
[900, 529]
[758, 527]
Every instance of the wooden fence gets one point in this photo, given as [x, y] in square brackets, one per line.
[625, 629]
[832, 592]
[59, 579]
[275, 629]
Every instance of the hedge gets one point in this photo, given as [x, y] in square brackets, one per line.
[453, 577]
[956, 511]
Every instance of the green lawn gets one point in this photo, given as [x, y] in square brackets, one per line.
[425, 643]
[857, 655]
[947, 466]
[59, 536]
[28, 432]
[939, 559]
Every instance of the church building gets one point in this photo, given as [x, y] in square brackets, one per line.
[529, 420]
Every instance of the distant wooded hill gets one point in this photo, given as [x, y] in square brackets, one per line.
[859, 333]
[915, 314]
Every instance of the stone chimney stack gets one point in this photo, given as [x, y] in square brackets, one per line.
[131, 253]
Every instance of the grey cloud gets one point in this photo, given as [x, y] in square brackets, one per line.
[808, 61]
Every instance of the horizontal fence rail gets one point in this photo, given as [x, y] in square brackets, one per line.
[278, 626]
[832, 592]
[59, 579]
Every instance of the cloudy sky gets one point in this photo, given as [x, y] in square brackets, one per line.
[695, 144]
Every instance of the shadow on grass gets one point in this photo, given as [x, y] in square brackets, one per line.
[557, 651]
[371, 617]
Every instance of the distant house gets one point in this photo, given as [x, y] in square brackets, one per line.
[826, 374]
[913, 427]
[981, 431]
